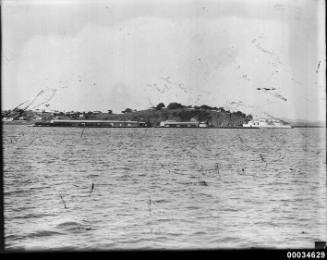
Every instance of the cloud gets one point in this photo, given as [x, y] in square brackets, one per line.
[209, 60]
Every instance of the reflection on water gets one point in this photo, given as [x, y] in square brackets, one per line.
[163, 188]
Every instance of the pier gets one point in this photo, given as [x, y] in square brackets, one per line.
[91, 123]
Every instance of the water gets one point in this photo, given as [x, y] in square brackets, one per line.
[163, 188]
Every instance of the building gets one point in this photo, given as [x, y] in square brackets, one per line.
[37, 118]
[191, 124]
[92, 123]
[7, 119]
[203, 124]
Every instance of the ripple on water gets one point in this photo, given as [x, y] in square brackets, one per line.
[73, 227]
[43, 233]
[191, 205]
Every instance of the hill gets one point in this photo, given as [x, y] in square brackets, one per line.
[154, 117]
[213, 116]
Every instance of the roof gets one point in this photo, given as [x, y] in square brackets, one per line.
[180, 123]
[93, 121]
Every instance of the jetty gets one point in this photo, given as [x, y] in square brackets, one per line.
[91, 123]
[175, 124]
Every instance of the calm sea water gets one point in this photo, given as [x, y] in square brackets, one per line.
[163, 188]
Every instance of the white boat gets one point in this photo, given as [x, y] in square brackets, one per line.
[265, 123]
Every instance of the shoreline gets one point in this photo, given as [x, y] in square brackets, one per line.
[30, 123]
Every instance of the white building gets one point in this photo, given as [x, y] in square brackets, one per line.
[203, 124]
[37, 118]
[7, 119]
[191, 124]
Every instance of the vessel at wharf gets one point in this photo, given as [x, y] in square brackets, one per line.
[266, 124]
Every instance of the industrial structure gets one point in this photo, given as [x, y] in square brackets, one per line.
[191, 124]
[92, 123]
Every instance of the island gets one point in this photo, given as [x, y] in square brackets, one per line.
[212, 117]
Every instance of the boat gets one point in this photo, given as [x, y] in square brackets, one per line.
[266, 123]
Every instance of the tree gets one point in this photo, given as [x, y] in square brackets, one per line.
[249, 118]
[75, 116]
[160, 106]
[239, 113]
[127, 110]
[88, 114]
[206, 107]
[175, 105]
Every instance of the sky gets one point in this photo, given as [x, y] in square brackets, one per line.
[262, 57]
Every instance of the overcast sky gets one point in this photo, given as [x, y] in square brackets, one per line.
[100, 55]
